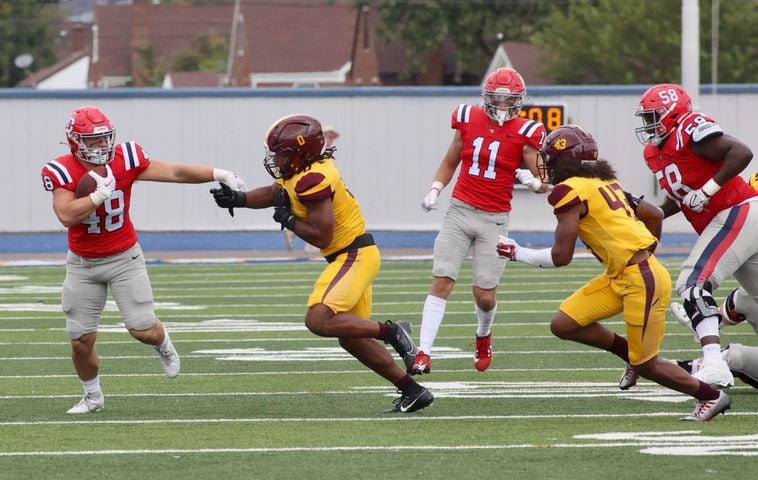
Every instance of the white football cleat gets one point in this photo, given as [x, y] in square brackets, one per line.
[88, 404]
[628, 378]
[169, 360]
[714, 373]
[680, 314]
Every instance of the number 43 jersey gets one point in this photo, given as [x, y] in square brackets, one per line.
[490, 156]
[109, 229]
[609, 228]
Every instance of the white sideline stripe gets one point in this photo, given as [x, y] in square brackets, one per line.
[213, 355]
[370, 448]
[395, 418]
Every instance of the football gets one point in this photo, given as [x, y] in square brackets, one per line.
[87, 184]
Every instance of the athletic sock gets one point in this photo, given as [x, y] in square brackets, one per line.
[434, 312]
[484, 320]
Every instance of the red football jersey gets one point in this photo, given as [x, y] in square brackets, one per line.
[680, 171]
[109, 229]
[490, 155]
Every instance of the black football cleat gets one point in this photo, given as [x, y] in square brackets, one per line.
[399, 336]
[408, 403]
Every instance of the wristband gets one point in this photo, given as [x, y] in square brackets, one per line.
[542, 258]
[437, 185]
[98, 197]
[219, 174]
[710, 188]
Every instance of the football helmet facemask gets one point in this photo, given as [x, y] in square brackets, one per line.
[661, 108]
[91, 136]
[292, 143]
[567, 142]
[503, 93]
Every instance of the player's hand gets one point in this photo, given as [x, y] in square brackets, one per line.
[105, 185]
[429, 202]
[633, 200]
[696, 200]
[283, 210]
[525, 177]
[507, 247]
[225, 197]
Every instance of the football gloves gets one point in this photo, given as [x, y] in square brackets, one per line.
[105, 186]
[429, 202]
[633, 200]
[283, 210]
[696, 200]
[525, 177]
[225, 197]
[507, 247]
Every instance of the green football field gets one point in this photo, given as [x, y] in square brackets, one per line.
[261, 397]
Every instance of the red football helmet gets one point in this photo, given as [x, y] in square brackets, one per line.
[293, 143]
[661, 108]
[90, 135]
[503, 92]
[567, 142]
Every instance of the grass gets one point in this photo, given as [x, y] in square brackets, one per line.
[261, 397]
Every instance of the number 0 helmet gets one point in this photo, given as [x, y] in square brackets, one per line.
[89, 123]
[661, 108]
[565, 143]
[503, 92]
[292, 143]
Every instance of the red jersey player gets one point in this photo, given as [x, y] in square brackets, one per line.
[490, 143]
[697, 165]
[103, 249]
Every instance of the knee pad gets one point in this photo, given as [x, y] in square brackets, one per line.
[699, 304]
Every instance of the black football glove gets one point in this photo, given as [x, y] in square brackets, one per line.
[225, 197]
[283, 210]
[634, 201]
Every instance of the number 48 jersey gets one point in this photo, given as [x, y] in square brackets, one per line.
[109, 229]
[490, 156]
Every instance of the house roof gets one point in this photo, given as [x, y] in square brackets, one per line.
[40, 75]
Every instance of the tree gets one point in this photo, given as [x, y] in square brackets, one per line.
[471, 27]
[26, 27]
[623, 42]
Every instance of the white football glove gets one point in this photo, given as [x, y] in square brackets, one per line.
[105, 186]
[696, 200]
[525, 177]
[429, 202]
[229, 178]
[507, 247]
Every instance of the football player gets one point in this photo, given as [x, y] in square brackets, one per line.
[589, 203]
[489, 144]
[102, 242]
[698, 166]
[311, 200]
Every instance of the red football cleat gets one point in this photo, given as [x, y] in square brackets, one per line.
[483, 355]
[422, 364]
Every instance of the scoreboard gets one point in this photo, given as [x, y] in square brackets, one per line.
[552, 115]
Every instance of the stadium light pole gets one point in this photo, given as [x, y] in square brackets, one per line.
[691, 49]
[232, 44]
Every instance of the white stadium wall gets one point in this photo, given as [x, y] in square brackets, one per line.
[391, 142]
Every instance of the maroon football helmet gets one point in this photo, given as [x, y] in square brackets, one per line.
[293, 143]
[661, 108]
[503, 92]
[565, 143]
[91, 136]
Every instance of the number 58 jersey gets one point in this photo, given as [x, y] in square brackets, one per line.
[109, 229]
